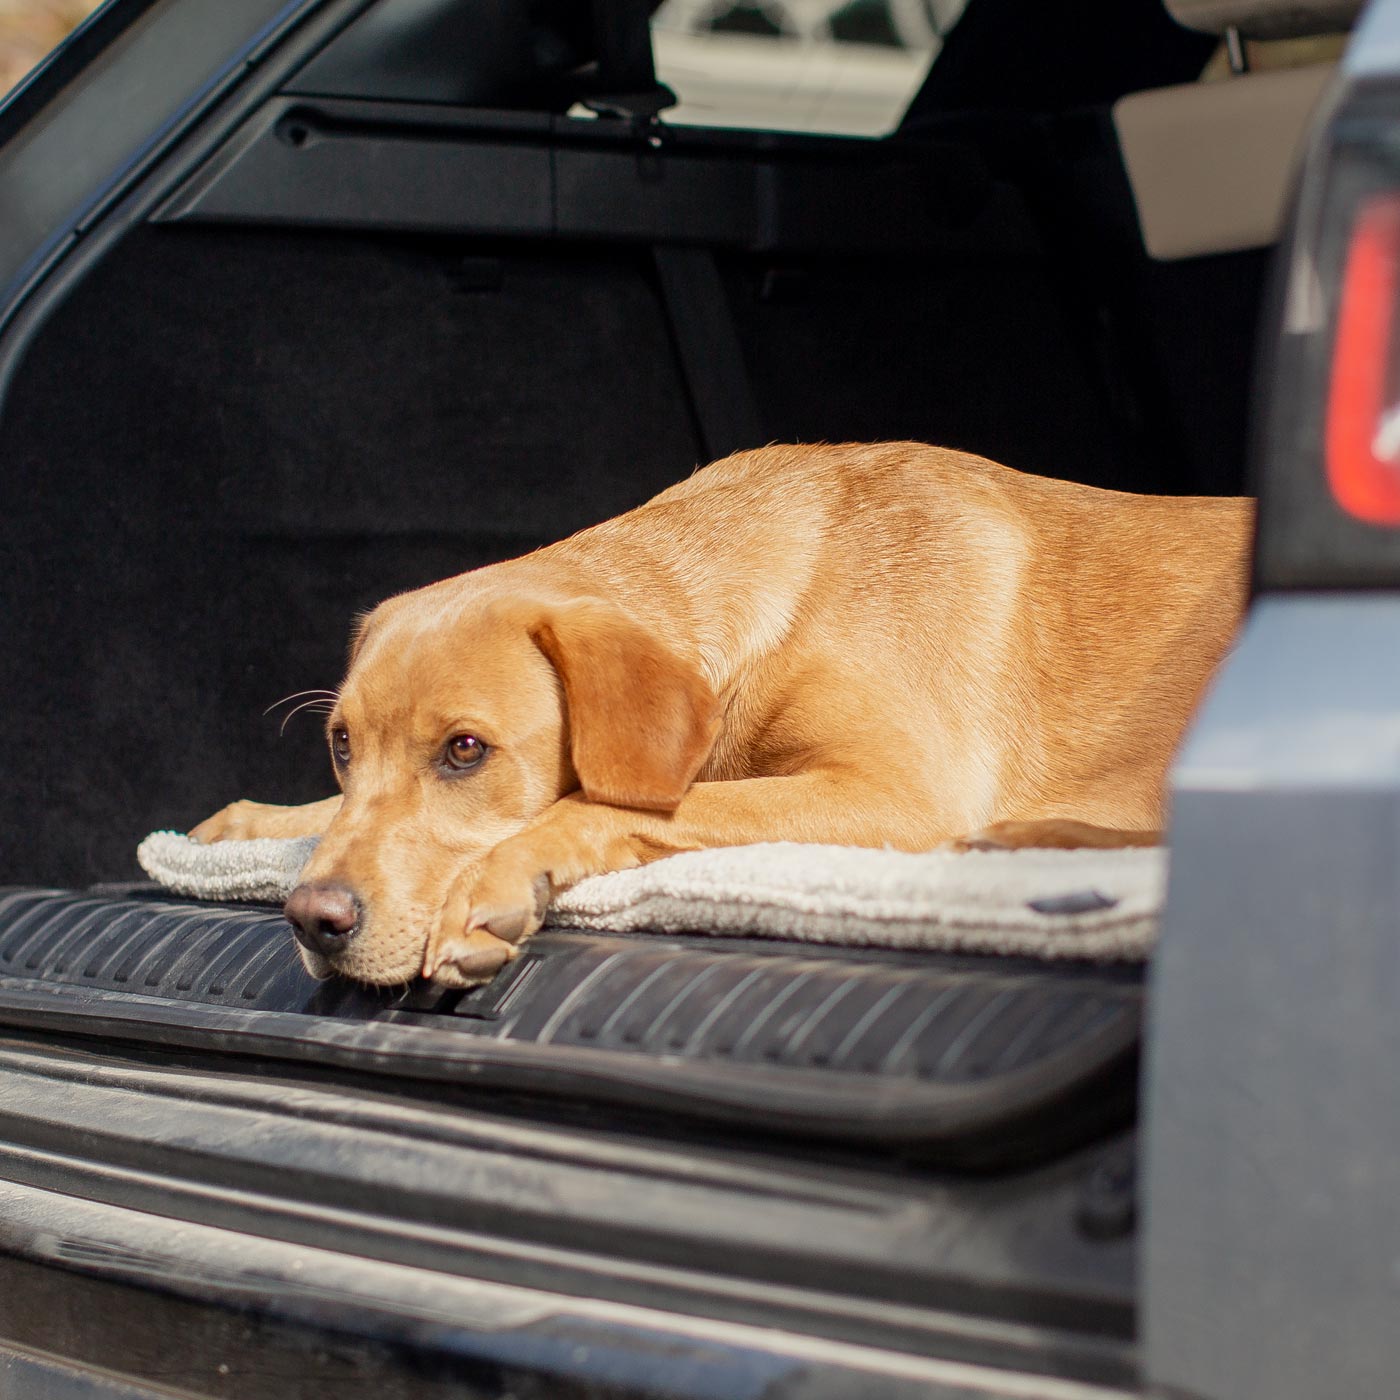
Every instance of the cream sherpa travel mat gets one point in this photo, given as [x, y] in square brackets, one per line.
[1101, 905]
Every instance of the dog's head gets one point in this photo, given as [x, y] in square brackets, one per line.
[463, 716]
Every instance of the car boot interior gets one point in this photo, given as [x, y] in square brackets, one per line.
[411, 318]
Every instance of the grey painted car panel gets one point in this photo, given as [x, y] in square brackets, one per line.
[1272, 1245]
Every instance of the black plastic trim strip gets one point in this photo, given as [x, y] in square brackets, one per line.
[952, 1117]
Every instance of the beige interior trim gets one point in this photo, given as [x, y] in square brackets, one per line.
[1211, 164]
[1266, 19]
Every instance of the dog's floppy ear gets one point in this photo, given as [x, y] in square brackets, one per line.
[642, 721]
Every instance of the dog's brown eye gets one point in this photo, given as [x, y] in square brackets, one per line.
[464, 751]
[340, 745]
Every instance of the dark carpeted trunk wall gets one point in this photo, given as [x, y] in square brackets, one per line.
[226, 443]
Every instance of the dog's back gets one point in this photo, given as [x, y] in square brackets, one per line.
[1018, 646]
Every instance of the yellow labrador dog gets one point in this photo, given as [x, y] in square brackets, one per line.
[891, 645]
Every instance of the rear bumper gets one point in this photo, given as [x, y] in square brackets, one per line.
[233, 1314]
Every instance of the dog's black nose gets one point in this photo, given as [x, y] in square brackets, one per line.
[323, 917]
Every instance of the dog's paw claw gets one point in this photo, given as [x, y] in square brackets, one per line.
[979, 841]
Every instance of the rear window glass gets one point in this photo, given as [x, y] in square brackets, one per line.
[838, 67]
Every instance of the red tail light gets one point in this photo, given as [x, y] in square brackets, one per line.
[1363, 406]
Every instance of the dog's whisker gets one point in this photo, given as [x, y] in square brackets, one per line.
[315, 690]
[305, 705]
[320, 694]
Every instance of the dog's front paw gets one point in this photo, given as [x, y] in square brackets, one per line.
[247, 821]
[242, 821]
[489, 910]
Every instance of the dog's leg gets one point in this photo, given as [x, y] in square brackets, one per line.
[244, 821]
[1053, 832]
[502, 898]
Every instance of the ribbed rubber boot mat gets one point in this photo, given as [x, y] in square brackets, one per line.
[229, 955]
[973, 1057]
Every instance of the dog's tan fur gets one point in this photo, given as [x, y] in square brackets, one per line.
[872, 645]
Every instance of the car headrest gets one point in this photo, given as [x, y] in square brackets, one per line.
[1266, 19]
